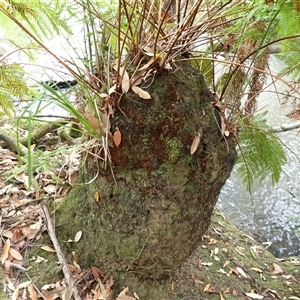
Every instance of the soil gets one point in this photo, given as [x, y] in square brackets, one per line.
[226, 265]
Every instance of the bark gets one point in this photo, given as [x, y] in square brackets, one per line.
[150, 215]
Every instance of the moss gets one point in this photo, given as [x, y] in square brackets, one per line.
[45, 271]
[174, 149]
[189, 281]
[150, 214]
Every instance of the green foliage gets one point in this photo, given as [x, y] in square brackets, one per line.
[12, 85]
[138, 39]
[43, 17]
[261, 153]
[288, 28]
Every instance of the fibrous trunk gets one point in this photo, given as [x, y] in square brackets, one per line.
[151, 215]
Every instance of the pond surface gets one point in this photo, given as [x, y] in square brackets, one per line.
[273, 213]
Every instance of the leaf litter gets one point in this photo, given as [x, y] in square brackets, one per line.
[228, 264]
[236, 274]
[23, 226]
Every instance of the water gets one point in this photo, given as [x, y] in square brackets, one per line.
[273, 213]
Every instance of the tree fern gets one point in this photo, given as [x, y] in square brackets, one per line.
[44, 18]
[260, 151]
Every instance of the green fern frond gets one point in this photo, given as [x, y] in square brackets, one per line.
[12, 86]
[44, 18]
[291, 58]
[260, 151]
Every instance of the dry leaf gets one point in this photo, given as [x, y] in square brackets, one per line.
[197, 281]
[7, 265]
[95, 273]
[277, 269]
[117, 137]
[195, 143]
[239, 251]
[125, 80]
[234, 271]
[223, 125]
[125, 297]
[73, 269]
[148, 64]
[17, 290]
[97, 197]
[141, 93]
[226, 263]
[78, 236]
[5, 251]
[206, 288]
[8, 234]
[257, 270]
[15, 254]
[254, 296]
[77, 266]
[15, 294]
[241, 271]
[48, 249]
[112, 89]
[32, 292]
[75, 256]
[212, 242]
[124, 291]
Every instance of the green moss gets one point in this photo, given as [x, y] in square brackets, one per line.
[45, 270]
[174, 148]
[151, 214]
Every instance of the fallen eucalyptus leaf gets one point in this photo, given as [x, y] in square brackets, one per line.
[15, 254]
[78, 236]
[277, 269]
[195, 143]
[117, 137]
[48, 249]
[241, 271]
[141, 93]
[5, 251]
[254, 296]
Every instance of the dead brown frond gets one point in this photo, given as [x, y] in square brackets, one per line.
[258, 80]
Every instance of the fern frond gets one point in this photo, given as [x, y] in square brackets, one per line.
[291, 58]
[12, 86]
[45, 18]
[260, 151]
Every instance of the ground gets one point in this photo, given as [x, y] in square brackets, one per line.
[227, 264]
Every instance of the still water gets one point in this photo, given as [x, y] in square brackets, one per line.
[273, 213]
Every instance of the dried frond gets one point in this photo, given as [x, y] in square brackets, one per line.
[258, 80]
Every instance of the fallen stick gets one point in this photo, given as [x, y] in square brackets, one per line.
[61, 258]
[286, 127]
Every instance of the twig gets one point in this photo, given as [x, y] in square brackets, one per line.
[286, 127]
[60, 255]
